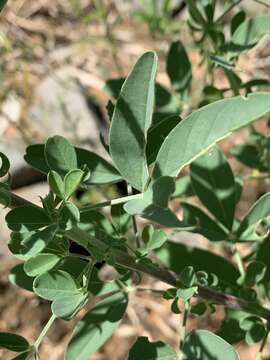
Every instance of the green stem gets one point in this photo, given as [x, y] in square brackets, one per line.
[83, 257]
[44, 331]
[183, 328]
[121, 200]
[239, 261]
[134, 223]
[259, 354]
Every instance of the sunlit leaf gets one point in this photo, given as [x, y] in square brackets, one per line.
[131, 119]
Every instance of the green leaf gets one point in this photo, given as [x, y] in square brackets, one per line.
[156, 135]
[250, 32]
[255, 334]
[188, 276]
[183, 188]
[179, 68]
[146, 350]
[254, 328]
[187, 294]
[177, 256]
[55, 284]
[5, 164]
[248, 155]
[198, 309]
[2, 4]
[259, 211]
[35, 157]
[40, 264]
[120, 219]
[56, 184]
[23, 356]
[68, 216]
[255, 273]
[24, 245]
[230, 330]
[154, 204]
[204, 345]
[206, 126]
[131, 119]
[28, 216]
[98, 324]
[213, 181]
[237, 20]
[68, 306]
[101, 172]
[153, 239]
[203, 224]
[72, 181]
[60, 155]
[18, 277]
[113, 87]
[13, 342]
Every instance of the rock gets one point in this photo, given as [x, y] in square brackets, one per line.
[60, 107]
[11, 141]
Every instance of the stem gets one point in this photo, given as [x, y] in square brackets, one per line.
[83, 257]
[259, 354]
[111, 202]
[148, 290]
[129, 262]
[227, 11]
[134, 223]
[183, 329]
[239, 261]
[44, 331]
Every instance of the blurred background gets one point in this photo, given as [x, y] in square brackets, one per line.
[56, 56]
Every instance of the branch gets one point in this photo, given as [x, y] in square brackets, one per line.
[129, 262]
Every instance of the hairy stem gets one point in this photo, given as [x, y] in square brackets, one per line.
[129, 262]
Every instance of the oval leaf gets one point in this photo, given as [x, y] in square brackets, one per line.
[179, 68]
[18, 277]
[13, 342]
[206, 126]
[144, 349]
[56, 184]
[131, 119]
[60, 155]
[213, 181]
[27, 216]
[259, 211]
[204, 345]
[250, 32]
[96, 326]
[40, 264]
[5, 165]
[68, 306]
[55, 284]
[72, 181]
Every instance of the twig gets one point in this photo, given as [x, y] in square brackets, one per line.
[129, 262]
